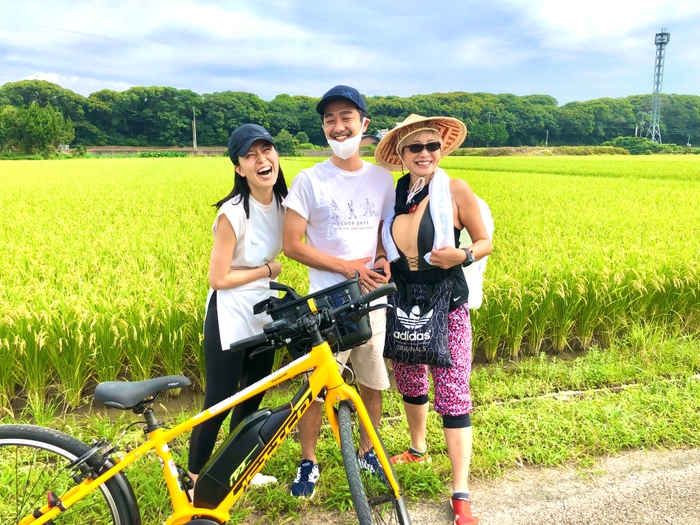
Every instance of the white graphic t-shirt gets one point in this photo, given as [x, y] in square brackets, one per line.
[343, 210]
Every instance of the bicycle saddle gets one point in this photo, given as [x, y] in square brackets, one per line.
[128, 394]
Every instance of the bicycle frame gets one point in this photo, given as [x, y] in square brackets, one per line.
[325, 375]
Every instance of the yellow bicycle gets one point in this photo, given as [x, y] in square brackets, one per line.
[49, 477]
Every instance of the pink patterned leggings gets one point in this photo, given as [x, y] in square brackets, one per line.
[452, 395]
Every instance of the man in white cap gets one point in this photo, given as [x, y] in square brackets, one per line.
[338, 205]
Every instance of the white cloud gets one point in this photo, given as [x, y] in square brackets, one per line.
[487, 53]
[159, 38]
[285, 46]
[82, 85]
[602, 24]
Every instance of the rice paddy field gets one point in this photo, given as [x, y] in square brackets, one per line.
[104, 261]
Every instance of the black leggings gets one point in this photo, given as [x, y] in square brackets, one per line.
[227, 373]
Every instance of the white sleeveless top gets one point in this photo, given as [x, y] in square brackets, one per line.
[258, 240]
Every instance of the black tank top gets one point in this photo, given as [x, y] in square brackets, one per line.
[426, 274]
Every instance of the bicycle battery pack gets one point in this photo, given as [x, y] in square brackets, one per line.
[230, 468]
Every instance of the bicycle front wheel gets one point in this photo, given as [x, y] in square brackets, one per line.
[33, 462]
[374, 500]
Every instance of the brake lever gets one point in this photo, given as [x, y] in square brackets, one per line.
[378, 306]
[261, 350]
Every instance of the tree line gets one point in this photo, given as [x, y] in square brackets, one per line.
[162, 116]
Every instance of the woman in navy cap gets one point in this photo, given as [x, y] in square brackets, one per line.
[247, 239]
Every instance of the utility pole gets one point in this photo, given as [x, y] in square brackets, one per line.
[546, 139]
[194, 130]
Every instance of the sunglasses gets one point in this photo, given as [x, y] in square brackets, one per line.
[430, 146]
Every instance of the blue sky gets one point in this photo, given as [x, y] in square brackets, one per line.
[571, 50]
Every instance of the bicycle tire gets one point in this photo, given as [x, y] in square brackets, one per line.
[374, 500]
[33, 462]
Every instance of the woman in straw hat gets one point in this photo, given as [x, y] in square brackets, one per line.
[422, 243]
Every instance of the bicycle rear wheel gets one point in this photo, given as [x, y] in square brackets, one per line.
[33, 461]
[374, 500]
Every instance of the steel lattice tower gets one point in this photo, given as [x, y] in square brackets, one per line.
[661, 40]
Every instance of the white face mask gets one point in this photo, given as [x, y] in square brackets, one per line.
[349, 146]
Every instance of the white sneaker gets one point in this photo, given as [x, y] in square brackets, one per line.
[262, 479]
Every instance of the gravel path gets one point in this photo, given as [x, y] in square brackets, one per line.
[659, 487]
[631, 489]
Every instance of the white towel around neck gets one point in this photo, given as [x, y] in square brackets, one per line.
[440, 211]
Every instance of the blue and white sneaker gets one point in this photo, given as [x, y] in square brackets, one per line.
[370, 463]
[304, 485]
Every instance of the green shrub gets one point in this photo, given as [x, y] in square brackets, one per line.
[368, 150]
[79, 151]
[20, 156]
[286, 144]
[540, 151]
[301, 138]
[164, 154]
[641, 145]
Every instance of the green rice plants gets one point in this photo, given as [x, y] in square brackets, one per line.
[564, 307]
[126, 270]
[172, 351]
[494, 322]
[36, 373]
[8, 363]
[518, 308]
[69, 353]
[539, 314]
[591, 288]
[200, 362]
[107, 353]
[140, 344]
[611, 313]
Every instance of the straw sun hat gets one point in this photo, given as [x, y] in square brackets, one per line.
[452, 131]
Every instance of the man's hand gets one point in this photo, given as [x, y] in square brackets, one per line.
[368, 278]
[384, 265]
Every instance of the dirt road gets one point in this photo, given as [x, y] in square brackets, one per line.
[658, 487]
[631, 489]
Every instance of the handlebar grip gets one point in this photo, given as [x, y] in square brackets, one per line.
[248, 342]
[383, 291]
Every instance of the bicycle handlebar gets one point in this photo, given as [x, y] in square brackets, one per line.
[274, 332]
[364, 299]
[249, 342]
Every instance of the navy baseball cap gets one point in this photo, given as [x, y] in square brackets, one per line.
[341, 93]
[242, 138]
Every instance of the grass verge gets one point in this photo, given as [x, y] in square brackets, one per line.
[642, 392]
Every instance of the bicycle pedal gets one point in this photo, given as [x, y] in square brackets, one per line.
[185, 479]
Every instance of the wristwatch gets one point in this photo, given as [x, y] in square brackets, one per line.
[470, 257]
